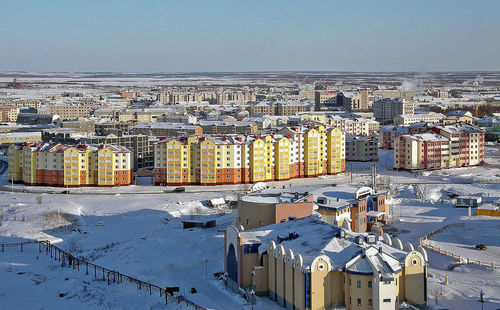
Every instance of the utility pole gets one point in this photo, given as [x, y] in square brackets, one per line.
[351, 172]
[481, 299]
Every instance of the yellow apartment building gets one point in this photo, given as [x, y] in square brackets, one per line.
[70, 165]
[234, 159]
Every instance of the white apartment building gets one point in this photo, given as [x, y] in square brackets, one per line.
[408, 119]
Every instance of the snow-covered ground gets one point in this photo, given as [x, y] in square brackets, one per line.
[141, 235]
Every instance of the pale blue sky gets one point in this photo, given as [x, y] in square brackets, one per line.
[187, 36]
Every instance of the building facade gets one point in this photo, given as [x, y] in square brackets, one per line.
[386, 110]
[445, 147]
[8, 113]
[408, 119]
[234, 159]
[161, 129]
[309, 264]
[361, 148]
[70, 165]
[257, 210]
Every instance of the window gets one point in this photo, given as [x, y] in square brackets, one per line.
[359, 302]
[369, 283]
[248, 221]
[387, 300]
[370, 303]
[358, 284]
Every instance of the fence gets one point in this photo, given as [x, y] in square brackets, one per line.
[424, 242]
[105, 274]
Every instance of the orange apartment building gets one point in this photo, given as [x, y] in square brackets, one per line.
[70, 165]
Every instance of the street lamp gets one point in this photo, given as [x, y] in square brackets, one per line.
[252, 297]
[225, 278]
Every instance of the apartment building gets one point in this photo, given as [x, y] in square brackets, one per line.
[361, 148]
[178, 118]
[140, 115]
[386, 110]
[36, 119]
[18, 137]
[354, 126]
[307, 94]
[161, 129]
[221, 127]
[69, 111]
[139, 146]
[394, 94]
[355, 101]
[282, 108]
[8, 114]
[408, 119]
[389, 133]
[70, 165]
[116, 128]
[444, 147]
[466, 144]
[62, 135]
[127, 94]
[24, 104]
[233, 159]
[292, 108]
[323, 99]
[309, 264]
[88, 127]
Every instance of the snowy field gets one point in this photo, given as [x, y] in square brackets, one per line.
[141, 235]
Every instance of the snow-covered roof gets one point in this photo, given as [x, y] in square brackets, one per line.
[283, 197]
[314, 238]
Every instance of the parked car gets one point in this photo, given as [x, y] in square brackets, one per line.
[179, 190]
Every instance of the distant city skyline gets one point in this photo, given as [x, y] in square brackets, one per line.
[253, 36]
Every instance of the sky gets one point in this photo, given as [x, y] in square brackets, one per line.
[235, 36]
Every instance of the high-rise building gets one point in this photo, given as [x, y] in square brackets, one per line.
[234, 159]
[386, 110]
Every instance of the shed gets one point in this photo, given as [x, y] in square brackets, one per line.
[216, 202]
[468, 201]
[199, 222]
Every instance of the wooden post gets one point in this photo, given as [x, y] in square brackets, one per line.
[21, 246]
[95, 272]
[166, 297]
[150, 289]
[108, 278]
[103, 274]
[87, 268]
[39, 249]
[78, 264]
